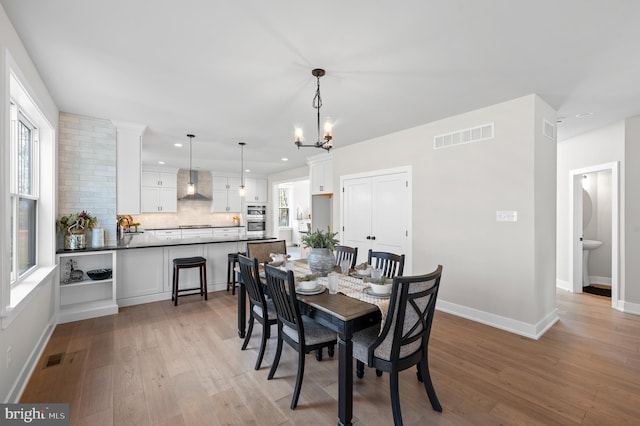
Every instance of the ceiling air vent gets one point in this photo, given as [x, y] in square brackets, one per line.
[474, 134]
[548, 129]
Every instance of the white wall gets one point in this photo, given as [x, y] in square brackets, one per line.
[24, 331]
[495, 272]
[630, 217]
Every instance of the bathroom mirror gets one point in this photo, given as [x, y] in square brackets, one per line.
[586, 208]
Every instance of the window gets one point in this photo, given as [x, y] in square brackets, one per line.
[283, 207]
[23, 193]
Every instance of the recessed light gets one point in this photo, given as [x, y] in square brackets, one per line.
[285, 159]
[584, 114]
[177, 145]
[247, 171]
[160, 162]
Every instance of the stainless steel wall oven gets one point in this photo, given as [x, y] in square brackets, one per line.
[256, 220]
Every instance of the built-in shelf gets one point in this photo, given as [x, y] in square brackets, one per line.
[88, 298]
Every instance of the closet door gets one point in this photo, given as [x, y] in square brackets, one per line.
[357, 215]
[389, 213]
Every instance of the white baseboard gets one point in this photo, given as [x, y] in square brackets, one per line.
[599, 280]
[23, 378]
[532, 331]
[564, 285]
[629, 308]
[157, 297]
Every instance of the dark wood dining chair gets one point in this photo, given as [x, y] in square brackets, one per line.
[348, 253]
[392, 265]
[299, 331]
[261, 309]
[262, 249]
[404, 339]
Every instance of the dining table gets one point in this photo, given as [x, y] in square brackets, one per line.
[346, 312]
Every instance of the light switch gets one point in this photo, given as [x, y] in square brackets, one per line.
[506, 216]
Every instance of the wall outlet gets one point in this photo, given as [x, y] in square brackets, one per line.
[9, 357]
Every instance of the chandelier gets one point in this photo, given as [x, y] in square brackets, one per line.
[326, 141]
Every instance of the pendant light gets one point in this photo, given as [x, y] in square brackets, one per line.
[191, 188]
[241, 190]
[327, 141]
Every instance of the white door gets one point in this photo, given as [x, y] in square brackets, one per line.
[357, 215]
[376, 214]
[389, 213]
[168, 200]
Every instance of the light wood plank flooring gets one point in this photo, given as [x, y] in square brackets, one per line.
[156, 364]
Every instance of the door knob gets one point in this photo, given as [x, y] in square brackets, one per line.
[373, 238]
[368, 237]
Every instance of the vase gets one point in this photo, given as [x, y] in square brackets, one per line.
[75, 240]
[321, 260]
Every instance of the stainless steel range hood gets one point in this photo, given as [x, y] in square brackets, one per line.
[196, 196]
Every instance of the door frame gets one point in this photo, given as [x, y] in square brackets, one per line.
[408, 266]
[575, 225]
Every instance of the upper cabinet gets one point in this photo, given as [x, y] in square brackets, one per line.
[159, 192]
[226, 196]
[128, 155]
[255, 190]
[321, 174]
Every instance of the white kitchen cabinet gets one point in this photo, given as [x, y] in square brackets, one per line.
[226, 196]
[376, 214]
[321, 176]
[159, 179]
[128, 164]
[86, 298]
[168, 234]
[140, 274]
[197, 233]
[232, 231]
[255, 190]
[159, 192]
[224, 183]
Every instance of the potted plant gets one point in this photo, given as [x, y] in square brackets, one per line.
[73, 227]
[322, 243]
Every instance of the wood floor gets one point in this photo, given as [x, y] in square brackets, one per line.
[156, 364]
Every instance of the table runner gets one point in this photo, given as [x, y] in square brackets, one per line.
[349, 286]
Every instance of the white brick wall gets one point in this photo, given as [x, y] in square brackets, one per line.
[87, 169]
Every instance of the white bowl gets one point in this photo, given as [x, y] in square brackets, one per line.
[307, 285]
[381, 288]
[364, 272]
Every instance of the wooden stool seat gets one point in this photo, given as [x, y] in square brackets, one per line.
[232, 262]
[184, 263]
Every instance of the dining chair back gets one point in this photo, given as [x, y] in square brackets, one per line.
[299, 331]
[392, 265]
[347, 253]
[261, 309]
[262, 249]
[404, 339]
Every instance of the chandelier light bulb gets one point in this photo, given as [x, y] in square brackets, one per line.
[298, 134]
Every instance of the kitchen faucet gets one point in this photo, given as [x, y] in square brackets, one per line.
[120, 230]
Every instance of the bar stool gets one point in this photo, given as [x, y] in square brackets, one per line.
[232, 262]
[184, 263]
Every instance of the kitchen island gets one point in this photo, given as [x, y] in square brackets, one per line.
[142, 268]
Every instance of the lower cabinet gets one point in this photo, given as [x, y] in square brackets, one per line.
[146, 275]
[80, 297]
[141, 273]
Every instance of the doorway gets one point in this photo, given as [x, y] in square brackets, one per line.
[291, 210]
[584, 222]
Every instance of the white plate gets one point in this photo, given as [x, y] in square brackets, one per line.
[370, 292]
[311, 285]
[319, 289]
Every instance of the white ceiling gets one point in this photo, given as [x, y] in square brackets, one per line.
[231, 71]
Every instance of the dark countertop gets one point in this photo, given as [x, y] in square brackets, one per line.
[136, 241]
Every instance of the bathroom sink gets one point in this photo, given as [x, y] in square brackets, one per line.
[587, 246]
[591, 244]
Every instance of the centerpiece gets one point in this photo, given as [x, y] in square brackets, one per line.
[322, 243]
[74, 227]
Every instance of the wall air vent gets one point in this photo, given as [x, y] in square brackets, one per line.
[548, 129]
[474, 134]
